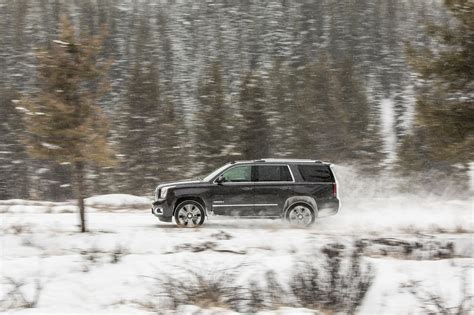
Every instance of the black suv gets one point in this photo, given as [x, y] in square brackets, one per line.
[296, 190]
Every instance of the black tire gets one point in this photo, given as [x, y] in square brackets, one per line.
[300, 214]
[189, 213]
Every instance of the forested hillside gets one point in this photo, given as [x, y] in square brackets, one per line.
[195, 84]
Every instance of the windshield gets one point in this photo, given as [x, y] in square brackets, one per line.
[215, 173]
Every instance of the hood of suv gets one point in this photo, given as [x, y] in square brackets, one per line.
[180, 183]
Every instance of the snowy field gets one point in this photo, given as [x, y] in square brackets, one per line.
[114, 268]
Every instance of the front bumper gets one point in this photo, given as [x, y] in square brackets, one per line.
[157, 210]
[162, 210]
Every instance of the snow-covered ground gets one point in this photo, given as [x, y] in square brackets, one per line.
[112, 268]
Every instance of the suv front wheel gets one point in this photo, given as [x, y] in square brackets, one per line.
[301, 214]
[189, 213]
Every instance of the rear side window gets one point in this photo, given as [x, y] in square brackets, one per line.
[272, 173]
[316, 173]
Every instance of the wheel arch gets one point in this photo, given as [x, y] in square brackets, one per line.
[186, 198]
[300, 199]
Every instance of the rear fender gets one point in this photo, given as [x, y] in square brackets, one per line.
[300, 199]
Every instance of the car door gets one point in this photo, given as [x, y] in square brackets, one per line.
[234, 195]
[273, 186]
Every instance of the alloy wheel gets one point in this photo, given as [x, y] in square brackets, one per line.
[189, 215]
[301, 215]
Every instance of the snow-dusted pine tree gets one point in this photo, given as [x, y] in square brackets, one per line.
[63, 121]
[443, 133]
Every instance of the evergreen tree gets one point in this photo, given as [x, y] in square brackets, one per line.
[280, 108]
[254, 133]
[140, 138]
[330, 114]
[314, 113]
[212, 120]
[63, 121]
[173, 144]
[303, 95]
[13, 164]
[443, 131]
[139, 144]
[153, 132]
[357, 129]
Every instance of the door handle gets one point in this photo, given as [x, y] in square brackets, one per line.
[246, 188]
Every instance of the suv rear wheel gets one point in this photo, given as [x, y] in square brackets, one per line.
[189, 213]
[301, 214]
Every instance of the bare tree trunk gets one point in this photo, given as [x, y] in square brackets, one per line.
[79, 189]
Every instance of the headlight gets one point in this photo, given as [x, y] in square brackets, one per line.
[164, 192]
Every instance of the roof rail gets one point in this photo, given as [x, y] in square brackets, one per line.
[288, 160]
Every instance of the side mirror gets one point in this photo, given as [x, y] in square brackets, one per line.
[220, 179]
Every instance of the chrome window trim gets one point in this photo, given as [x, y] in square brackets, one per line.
[319, 183]
[275, 182]
[246, 205]
[234, 183]
[255, 182]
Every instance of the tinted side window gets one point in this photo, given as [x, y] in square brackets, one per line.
[238, 174]
[315, 173]
[272, 173]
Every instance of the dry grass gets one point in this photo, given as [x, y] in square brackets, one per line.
[340, 285]
[418, 249]
[433, 303]
[205, 289]
[95, 257]
[16, 296]
[18, 229]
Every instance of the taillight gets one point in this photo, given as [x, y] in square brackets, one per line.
[334, 190]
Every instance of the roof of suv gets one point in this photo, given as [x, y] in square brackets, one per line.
[272, 160]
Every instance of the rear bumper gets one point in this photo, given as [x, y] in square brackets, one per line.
[328, 207]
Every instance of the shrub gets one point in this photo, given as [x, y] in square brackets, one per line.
[340, 286]
[199, 287]
[16, 298]
[433, 303]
